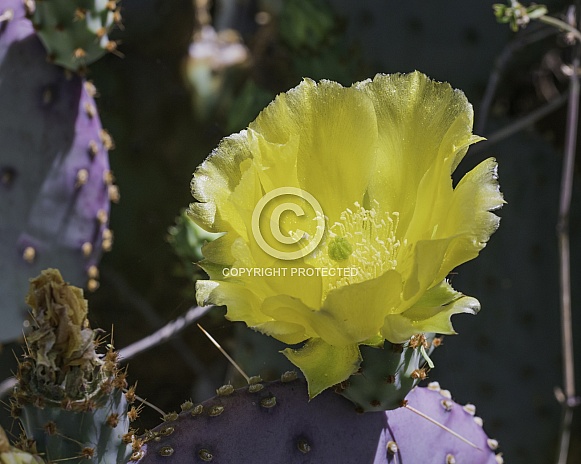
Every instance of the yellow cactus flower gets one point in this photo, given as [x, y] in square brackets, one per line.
[341, 220]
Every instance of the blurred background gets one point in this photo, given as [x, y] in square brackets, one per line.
[190, 72]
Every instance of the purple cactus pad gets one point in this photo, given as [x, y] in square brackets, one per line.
[278, 424]
[54, 170]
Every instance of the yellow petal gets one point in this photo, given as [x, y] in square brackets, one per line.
[469, 214]
[215, 180]
[426, 262]
[355, 313]
[243, 305]
[450, 227]
[294, 283]
[287, 332]
[324, 365]
[431, 313]
[287, 309]
[337, 131]
[421, 122]
[351, 314]
[277, 161]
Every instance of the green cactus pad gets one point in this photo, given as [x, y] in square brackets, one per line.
[388, 374]
[74, 32]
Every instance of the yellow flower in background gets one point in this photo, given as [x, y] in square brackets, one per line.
[341, 220]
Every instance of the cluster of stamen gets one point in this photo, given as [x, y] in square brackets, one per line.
[362, 239]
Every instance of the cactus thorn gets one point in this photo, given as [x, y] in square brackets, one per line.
[407, 406]
[228, 357]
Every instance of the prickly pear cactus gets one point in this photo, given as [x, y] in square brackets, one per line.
[69, 399]
[55, 182]
[418, 440]
[74, 32]
[275, 422]
[387, 374]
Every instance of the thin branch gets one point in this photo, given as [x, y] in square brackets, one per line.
[561, 25]
[6, 386]
[570, 399]
[526, 38]
[164, 334]
[148, 313]
[522, 123]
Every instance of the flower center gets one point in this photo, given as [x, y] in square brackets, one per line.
[363, 241]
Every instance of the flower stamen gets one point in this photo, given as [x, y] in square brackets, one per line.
[363, 239]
